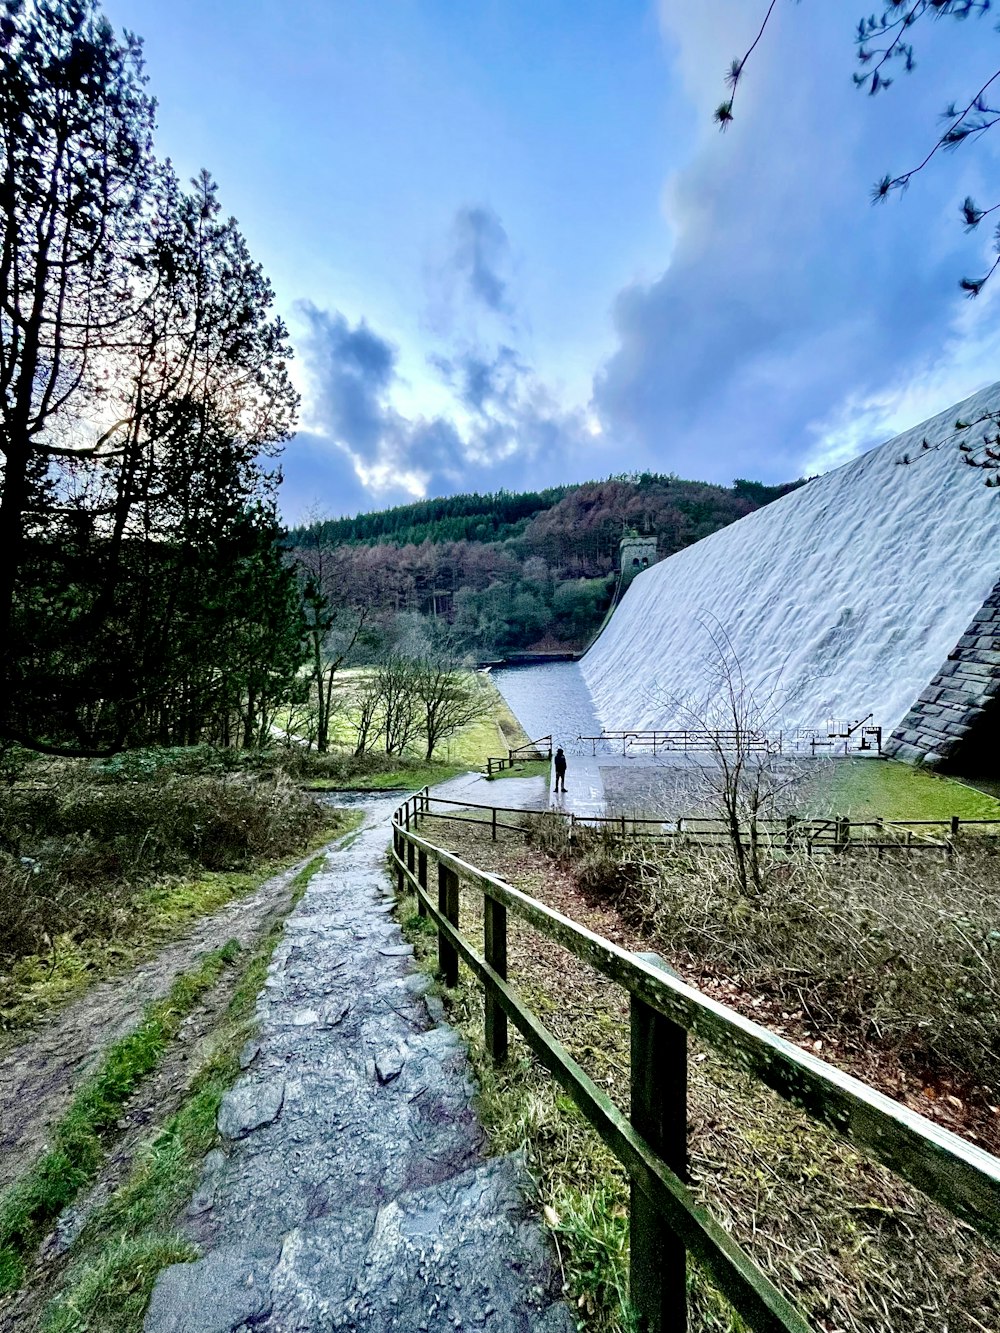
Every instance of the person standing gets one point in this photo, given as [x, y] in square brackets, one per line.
[560, 766]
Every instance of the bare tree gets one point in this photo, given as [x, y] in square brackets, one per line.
[336, 618]
[399, 705]
[735, 723]
[450, 699]
[367, 726]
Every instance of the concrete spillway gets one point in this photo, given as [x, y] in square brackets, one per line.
[859, 590]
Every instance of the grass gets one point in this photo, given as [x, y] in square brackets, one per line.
[406, 775]
[131, 1238]
[529, 768]
[31, 1205]
[869, 788]
[37, 983]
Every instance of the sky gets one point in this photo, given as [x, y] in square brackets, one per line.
[513, 250]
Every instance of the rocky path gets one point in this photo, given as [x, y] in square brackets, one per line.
[353, 1192]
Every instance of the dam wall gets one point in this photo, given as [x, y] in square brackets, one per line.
[872, 589]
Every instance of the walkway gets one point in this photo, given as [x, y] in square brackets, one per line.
[353, 1192]
[584, 795]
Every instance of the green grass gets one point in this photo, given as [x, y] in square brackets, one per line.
[869, 788]
[409, 776]
[530, 768]
[131, 1238]
[80, 1138]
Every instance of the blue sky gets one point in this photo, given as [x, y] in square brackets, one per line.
[513, 250]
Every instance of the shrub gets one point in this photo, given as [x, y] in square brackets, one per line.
[74, 855]
[903, 951]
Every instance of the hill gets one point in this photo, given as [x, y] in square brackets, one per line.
[511, 571]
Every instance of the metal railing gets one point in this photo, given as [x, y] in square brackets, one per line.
[666, 1222]
[848, 737]
[520, 754]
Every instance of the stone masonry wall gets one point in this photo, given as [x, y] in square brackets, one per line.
[952, 704]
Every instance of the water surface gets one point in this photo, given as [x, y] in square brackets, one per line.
[551, 698]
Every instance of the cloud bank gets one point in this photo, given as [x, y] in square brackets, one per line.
[507, 429]
[789, 301]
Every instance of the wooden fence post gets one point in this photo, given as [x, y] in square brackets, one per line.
[411, 858]
[448, 906]
[658, 1264]
[954, 825]
[493, 826]
[397, 841]
[422, 879]
[495, 944]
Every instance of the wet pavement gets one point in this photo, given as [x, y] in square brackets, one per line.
[353, 1191]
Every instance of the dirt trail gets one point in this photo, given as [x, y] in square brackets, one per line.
[39, 1075]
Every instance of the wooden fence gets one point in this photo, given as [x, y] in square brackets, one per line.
[651, 1141]
[520, 754]
[789, 834]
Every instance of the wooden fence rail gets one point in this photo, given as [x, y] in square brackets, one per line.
[650, 1142]
[791, 832]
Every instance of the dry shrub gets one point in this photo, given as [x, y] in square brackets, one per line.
[903, 951]
[73, 855]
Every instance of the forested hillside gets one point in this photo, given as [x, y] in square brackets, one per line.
[504, 572]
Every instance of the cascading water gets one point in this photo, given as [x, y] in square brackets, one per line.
[841, 599]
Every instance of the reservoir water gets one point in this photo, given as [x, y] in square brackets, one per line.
[551, 698]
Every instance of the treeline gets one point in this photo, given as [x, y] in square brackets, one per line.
[480, 518]
[547, 586]
[144, 597]
[505, 515]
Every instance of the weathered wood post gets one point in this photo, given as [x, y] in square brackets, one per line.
[448, 906]
[493, 824]
[658, 1264]
[955, 821]
[411, 858]
[495, 945]
[397, 845]
[422, 879]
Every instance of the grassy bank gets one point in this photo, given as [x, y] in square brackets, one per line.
[81, 1136]
[873, 788]
[530, 768]
[490, 735]
[102, 864]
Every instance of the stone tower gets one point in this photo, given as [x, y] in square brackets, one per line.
[635, 555]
